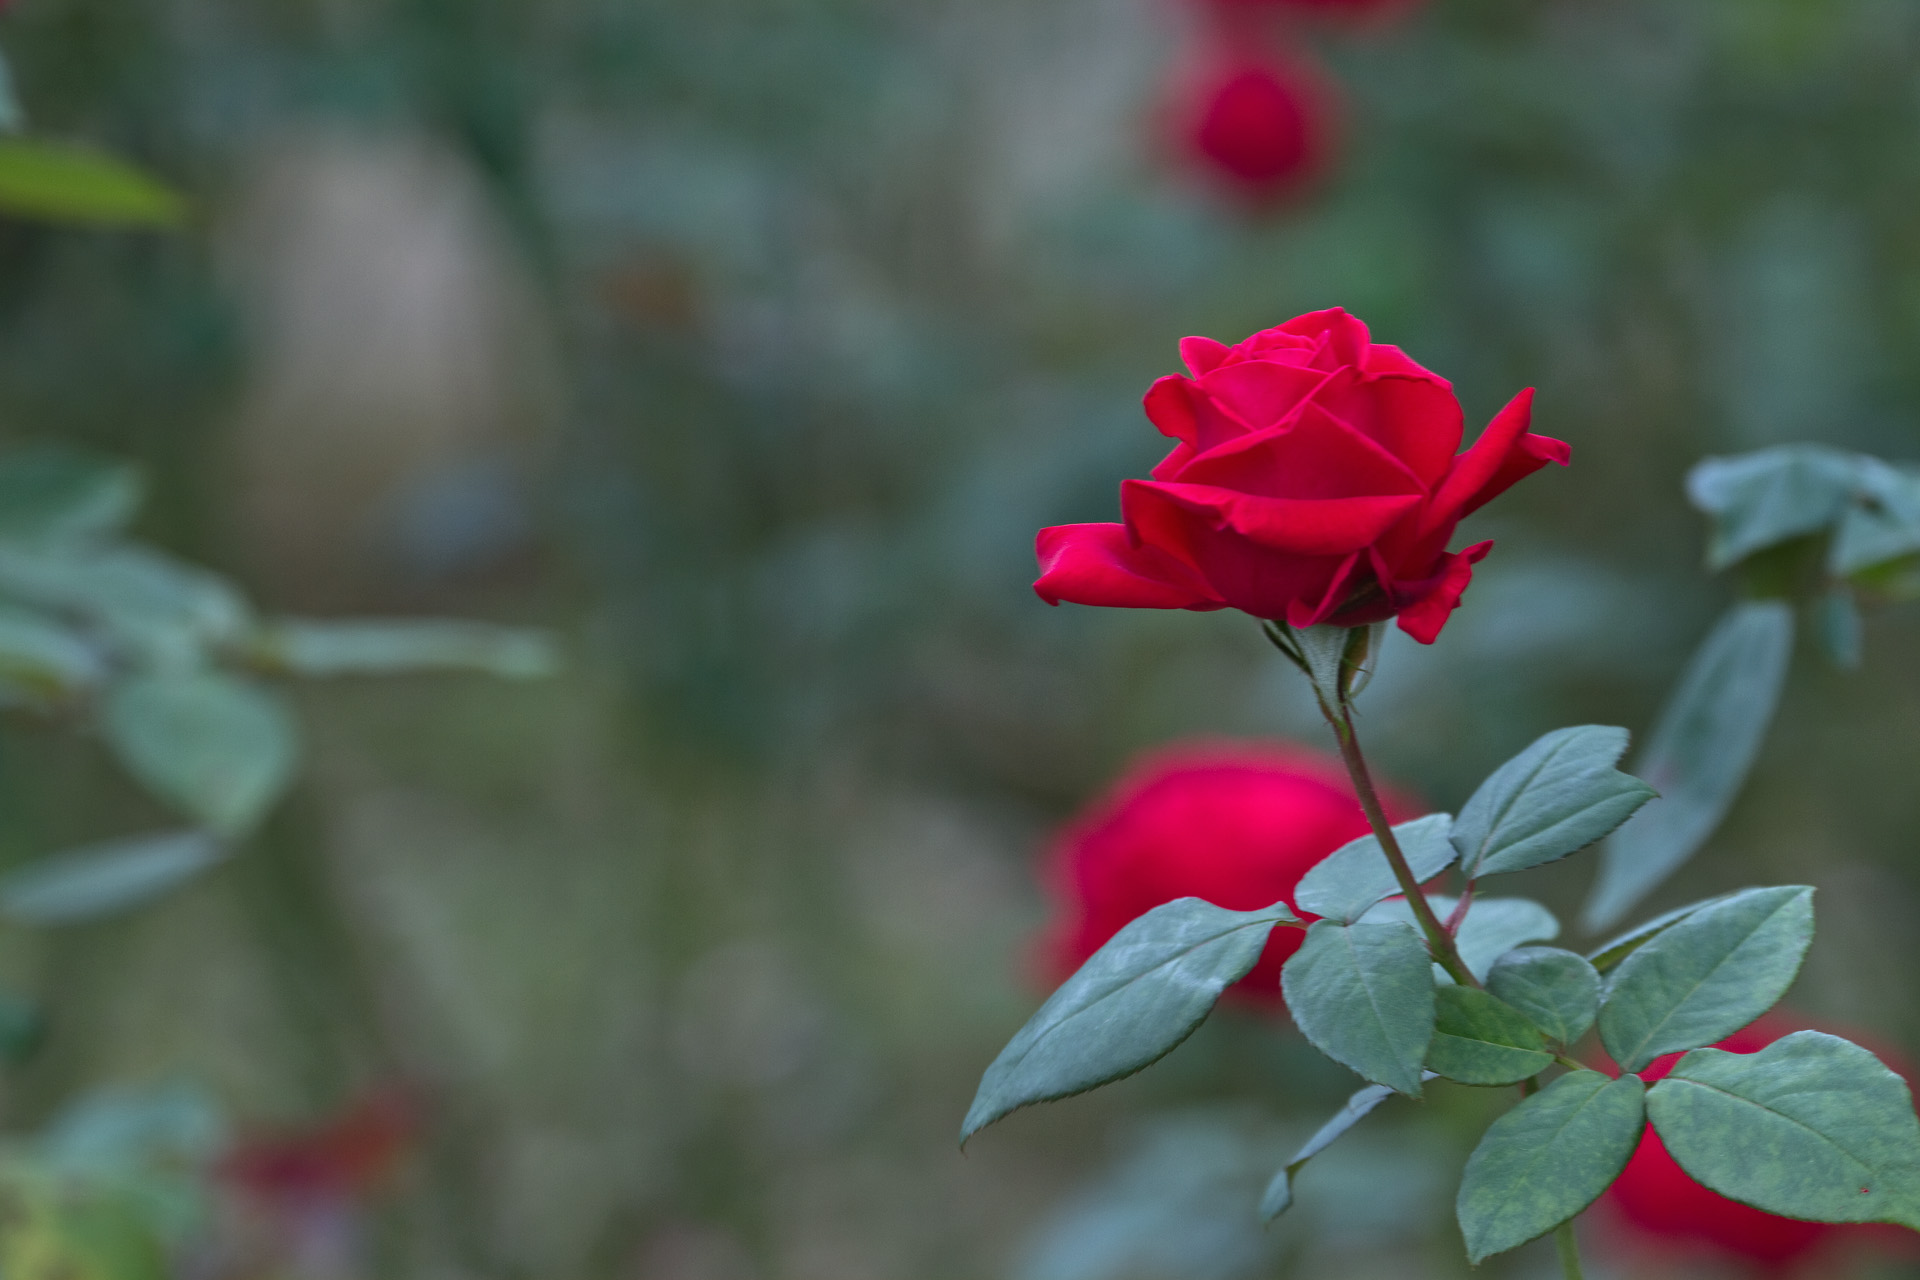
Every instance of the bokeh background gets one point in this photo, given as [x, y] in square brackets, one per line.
[746, 343]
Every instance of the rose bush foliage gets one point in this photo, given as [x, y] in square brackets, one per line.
[1314, 480]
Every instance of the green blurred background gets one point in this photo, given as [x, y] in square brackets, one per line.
[746, 343]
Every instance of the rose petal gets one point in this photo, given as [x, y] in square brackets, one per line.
[1314, 456]
[1307, 526]
[1416, 418]
[1424, 620]
[1343, 338]
[1180, 409]
[1099, 564]
[1260, 392]
[1202, 355]
[1503, 455]
[1245, 574]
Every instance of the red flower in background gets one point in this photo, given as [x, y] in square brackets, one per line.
[340, 1160]
[1231, 10]
[1661, 1212]
[1259, 123]
[1234, 823]
[1315, 481]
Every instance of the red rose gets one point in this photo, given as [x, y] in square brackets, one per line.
[1315, 481]
[1230, 10]
[1234, 823]
[1663, 1212]
[1258, 122]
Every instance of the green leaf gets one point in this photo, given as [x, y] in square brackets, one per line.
[1279, 1196]
[1811, 1127]
[1480, 1039]
[1881, 525]
[1698, 755]
[41, 660]
[1837, 623]
[1557, 990]
[1363, 994]
[1707, 975]
[218, 747]
[102, 879]
[53, 493]
[1558, 796]
[1761, 499]
[1493, 926]
[1547, 1159]
[62, 182]
[23, 1027]
[163, 613]
[1610, 953]
[1129, 1005]
[1356, 875]
[389, 647]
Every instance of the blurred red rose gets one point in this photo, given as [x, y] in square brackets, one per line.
[341, 1159]
[1315, 481]
[1661, 1213]
[1234, 823]
[1258, 123]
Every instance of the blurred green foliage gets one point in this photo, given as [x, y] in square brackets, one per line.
[751, 340]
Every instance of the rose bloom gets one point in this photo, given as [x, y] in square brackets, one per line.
[1661, 1214]
[1315, 480]
[1234, 823]
[1257, 122]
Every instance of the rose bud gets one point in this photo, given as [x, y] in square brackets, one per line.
[1660, 1214]
[1257, 123]
[1234, 823]
[1314, 481]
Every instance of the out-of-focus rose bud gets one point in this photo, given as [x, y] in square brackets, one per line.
[1339, 10]
[1660, 1215]
[1258, 122]
[1234, 823]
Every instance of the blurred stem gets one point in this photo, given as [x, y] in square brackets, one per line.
[1439, 941]
[1569, 1250]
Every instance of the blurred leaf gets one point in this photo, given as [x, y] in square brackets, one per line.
[1279, 1195]
[364, 647]
[1698, 754]
[1882, 525]
[1548, 1159]
[1128, 1006]
[63, 182]
[1480, 1039]
[54, 493]
[1837, 623]
[23, 1027]
[1558, 796]
[1174, 1204]
[162, 612]
[102, 879]
[40, 660]
[1707, 975]
[12, 118]
[1342, 885]
[1758, 500]
[1557, 990]
[1493, 926]
[1363, 994]
[220, 748]
[1811, 1127]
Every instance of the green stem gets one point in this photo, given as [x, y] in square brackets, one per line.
[1569, 1251]
[1439, 941]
